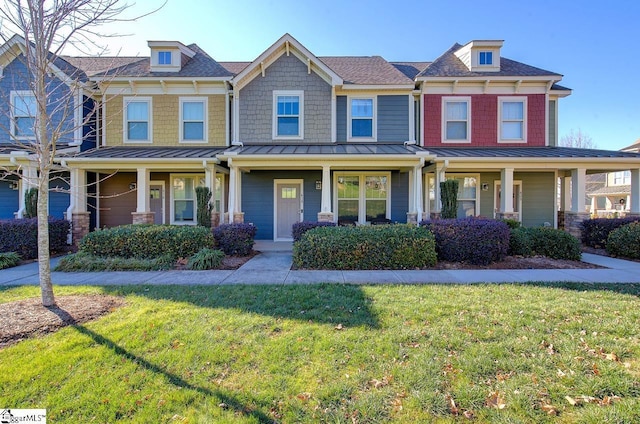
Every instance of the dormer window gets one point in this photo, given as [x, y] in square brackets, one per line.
[164, 58]
[486, 58]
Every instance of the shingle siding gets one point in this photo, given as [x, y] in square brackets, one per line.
[286, 73]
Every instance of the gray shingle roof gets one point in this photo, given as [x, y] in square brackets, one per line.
[200, 65]
[234, 67]
[527, 152]
[151, 152]
[612, 190]
[411, 69]
[99, 64]
[366, 70]
[449, 65]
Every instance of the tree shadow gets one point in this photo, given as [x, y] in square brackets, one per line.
[230, 402]
[321, 303]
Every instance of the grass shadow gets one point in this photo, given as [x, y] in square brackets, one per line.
[320, 303]
[620, 288]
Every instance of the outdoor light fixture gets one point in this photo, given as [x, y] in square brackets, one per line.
[132, 186]
[13, 185]
[318, 185]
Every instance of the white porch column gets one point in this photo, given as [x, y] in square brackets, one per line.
[440, 177]
[77, 212]
[235, 119]
[634, 202]
[326, 214]
[506, 197]
[29, 179]
[565, 197]
[578, 184]
[210, 182]
[418, 192]
[142, 188]
[235, 215]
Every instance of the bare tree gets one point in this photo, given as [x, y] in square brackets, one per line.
[578, 139]
[46, 28]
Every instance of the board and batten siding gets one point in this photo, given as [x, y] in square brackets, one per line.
[258, 198]
[166, 121]
[286, 73]
[392, 120]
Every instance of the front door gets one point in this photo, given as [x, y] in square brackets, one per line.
[156, 201]
[288, 207]
[517, 198]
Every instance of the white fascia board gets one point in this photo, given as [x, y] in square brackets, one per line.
[408, 87]
[552, 77]
[560, 93]
[175, 44]
[134, 163]
[546, 163]
[184, 79]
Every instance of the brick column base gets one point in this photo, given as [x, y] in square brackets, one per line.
[573, 222]
[238, 217]
[79, 226]
[425, 216]
[325, 216]
[561, 220]
[435, 215]
[412, 217]
[507, 215]
[143, 217]
[215, 219]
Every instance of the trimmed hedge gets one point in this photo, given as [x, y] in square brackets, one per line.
[299, 228]
[595, 232]
[147, 241]
[625, 241]
[235, 239]
[478, 241]
[371, 247]
[21, 236]
[82, 262]
[544, 241]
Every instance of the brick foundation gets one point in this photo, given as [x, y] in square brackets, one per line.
[507, 215]
[573, 223]
[561, 220]
[215, 219]
[238, 217]
[435, 215]
[412, 217]
[79, 226]
[143, 217]
[325, 216]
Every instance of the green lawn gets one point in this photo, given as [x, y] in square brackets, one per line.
[338, 353]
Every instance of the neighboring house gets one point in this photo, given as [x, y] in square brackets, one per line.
[614, 197]
[17, 117]
[355, 140]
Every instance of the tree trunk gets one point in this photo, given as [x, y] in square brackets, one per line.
[44, 267]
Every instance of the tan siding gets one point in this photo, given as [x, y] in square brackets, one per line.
[166, 122]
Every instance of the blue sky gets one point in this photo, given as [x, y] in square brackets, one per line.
[592, 43]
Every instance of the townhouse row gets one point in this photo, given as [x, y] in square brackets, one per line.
[291, 136]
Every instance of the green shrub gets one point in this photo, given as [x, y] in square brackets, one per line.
[206, 259]
[9, 259]
[370, 247]
[147, 241]
[449, 198]
[625, 241]
[31, 203]
[203, 196]
[511, 223]
[544, 241]
[83, 262]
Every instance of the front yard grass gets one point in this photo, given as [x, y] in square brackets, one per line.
[337, 353]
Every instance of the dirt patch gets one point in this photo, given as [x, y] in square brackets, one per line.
[518, 262]
[28, 318]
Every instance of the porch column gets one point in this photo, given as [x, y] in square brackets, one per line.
[325, 214]
[426, 214]
[210, 182]
[77, 211]
[573, 218]
[29, 178]
[235, 215]
[439, 176]
[506, 195]
[414, 216]
[634, 201]
[142, 215]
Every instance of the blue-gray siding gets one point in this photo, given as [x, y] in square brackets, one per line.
[399, 196]
[8, 200]
[286, 73]
[59, 200]
[392, 118]
[257, 198]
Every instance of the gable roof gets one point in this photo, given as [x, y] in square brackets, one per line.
[285, 45]
[635, 147]
[366, 70]
[200, 65]
[449, 65]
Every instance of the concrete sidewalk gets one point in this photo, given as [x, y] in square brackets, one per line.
[273, 266]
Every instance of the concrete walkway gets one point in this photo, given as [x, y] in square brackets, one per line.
[273, 266]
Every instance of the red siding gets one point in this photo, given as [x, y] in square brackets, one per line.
[484, 121]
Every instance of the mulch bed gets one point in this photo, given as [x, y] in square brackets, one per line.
[28, 318]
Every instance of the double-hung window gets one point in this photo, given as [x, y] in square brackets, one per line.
[512, 116]
[193, 122]
[362, 118]
[622, 178]
[288, 116]
[137, 119]
[362, 198]
[23, 113]
[183, 197]
[456, 119]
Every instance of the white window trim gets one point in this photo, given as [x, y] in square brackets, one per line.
[172, 200]
[205, 113]
[445, 100]
[170, 58]
[486, 64]
[525, 112]
[374, 123]
[362, 207]
[13, 95]
[300, 94]
[478, 185]
[125, 102]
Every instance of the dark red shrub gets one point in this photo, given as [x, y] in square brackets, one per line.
[595, 232]
[21, 236]
[235, 239]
